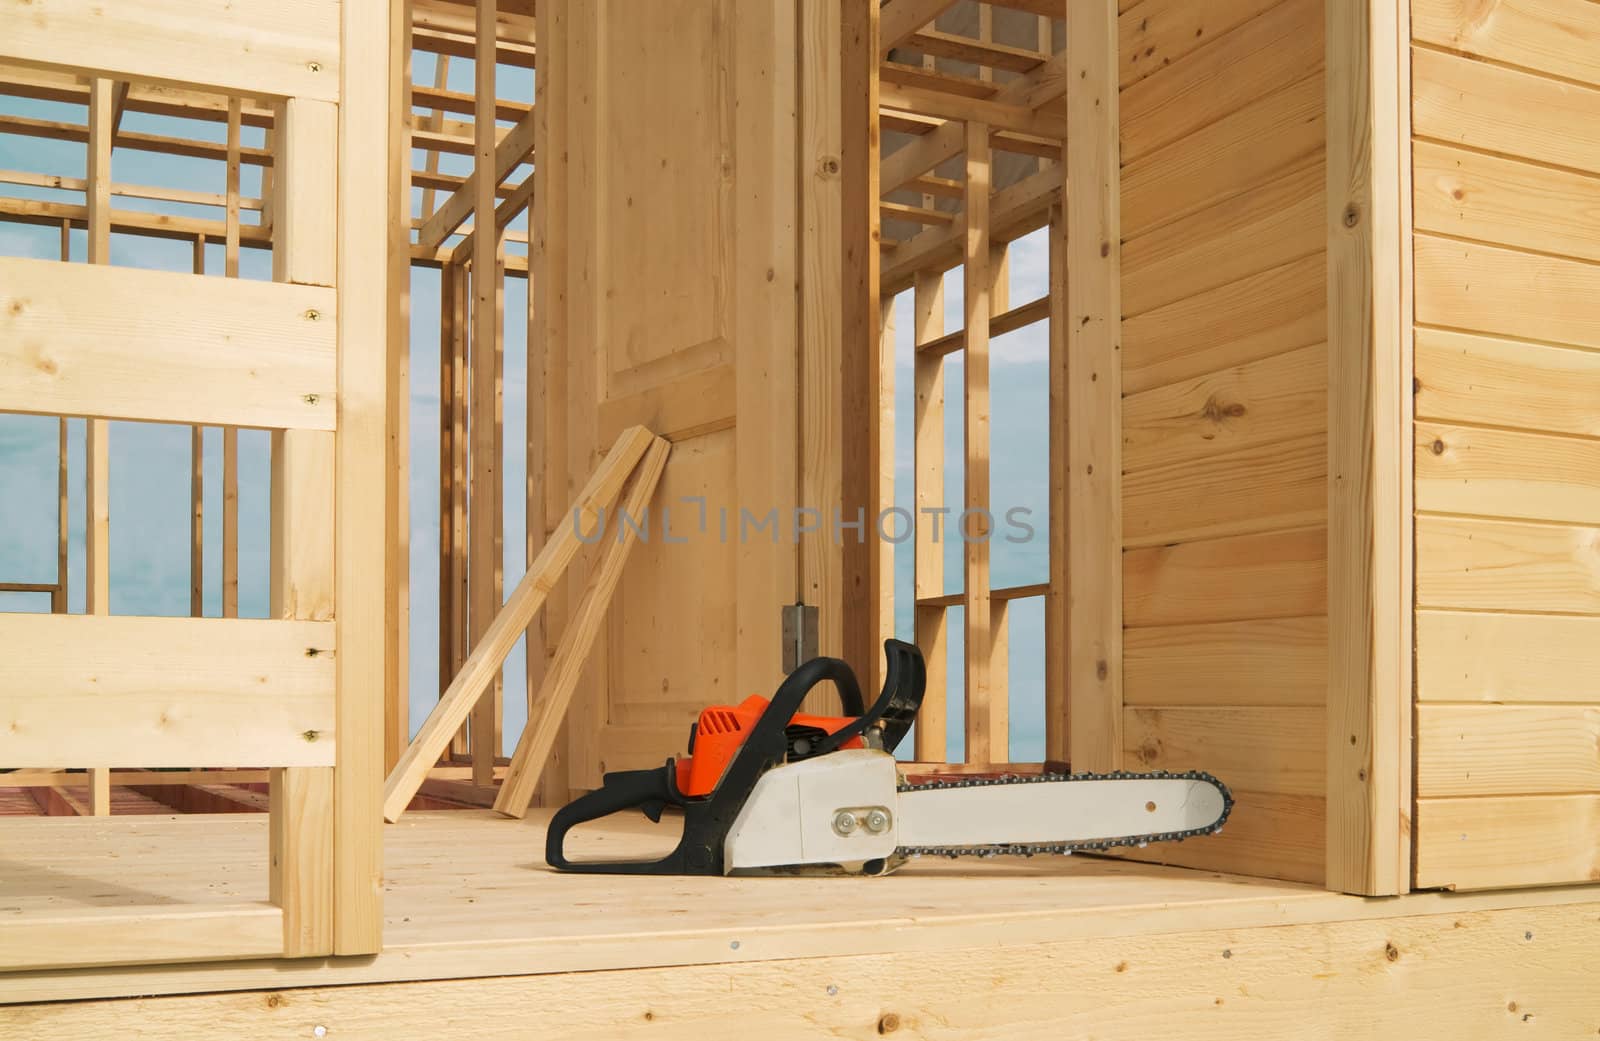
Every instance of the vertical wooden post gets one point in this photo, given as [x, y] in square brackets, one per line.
[302, 581]
[197, 487]
[1094, 387]
[397, 468]
[97, 445]
[547, 445]
[361, 514]
[984, 711]
[1369, 451]
[484, 515]
[822, 431]
[230, 435]
[58, 596]
[933, 528]
[1057, 720]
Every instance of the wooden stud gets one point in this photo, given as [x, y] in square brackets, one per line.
[549, 709]
[489, 653]
[1094, 389]
[360, 510]
[861, 401]
[984, 705]
[397, 465]
[485, 510]
[301, 841]
[547, 434]
[1369, 469]
[1057, 670]
[933, 527]
[197, 487]
[97, 445]
[822, 432]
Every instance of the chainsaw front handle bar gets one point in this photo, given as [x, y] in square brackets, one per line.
[707, 820]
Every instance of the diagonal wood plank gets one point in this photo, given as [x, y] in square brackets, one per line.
[555, 693]
[530, 595]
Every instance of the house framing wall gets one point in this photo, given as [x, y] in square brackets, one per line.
[304, 356]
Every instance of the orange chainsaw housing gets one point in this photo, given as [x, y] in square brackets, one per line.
[720, 731]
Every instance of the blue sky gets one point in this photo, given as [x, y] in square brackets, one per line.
[150, 462]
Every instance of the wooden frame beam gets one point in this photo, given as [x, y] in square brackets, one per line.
[1369, 450]
[1093, 318]
[361, 506]
[900, 19]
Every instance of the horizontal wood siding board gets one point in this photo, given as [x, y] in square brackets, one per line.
[1492, 565]
[1507, 750]
[1156, 33]
[1481, 379]
[287, 48]
[1276, 661]
[1519, 840]
[1265, 54]
[1493, 199]
[1256, 749]
[1506, 292]
[1260, 316]
[1494, 657]
[1272, 575]
[1264, 402]
[1557, 37]
[1259, 230]
[124, 343]
[1461, 101]
[1263, 140]
[1265, 488]
[112, 690]
[1507, 473]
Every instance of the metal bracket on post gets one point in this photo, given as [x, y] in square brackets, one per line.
[799, 635]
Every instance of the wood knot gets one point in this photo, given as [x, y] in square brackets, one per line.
[1122, 966]
[1216, 410]
[1391, 952]
[17, 306]
[1437, 447]
[888, 1023]
[1352, 215]
[1101, 670]
[274, 1000]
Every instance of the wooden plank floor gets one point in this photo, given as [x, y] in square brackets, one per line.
[467, 894]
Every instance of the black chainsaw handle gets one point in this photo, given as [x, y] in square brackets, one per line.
[706, 820]
[649, 790]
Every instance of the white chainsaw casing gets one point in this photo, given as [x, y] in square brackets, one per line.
[790, 815]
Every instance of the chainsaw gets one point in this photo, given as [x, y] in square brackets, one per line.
[768, 790]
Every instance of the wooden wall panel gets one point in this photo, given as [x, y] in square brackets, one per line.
[1507, 441]
[1224, 419]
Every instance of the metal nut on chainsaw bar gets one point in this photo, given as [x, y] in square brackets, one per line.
[844, 822]
[877, 822]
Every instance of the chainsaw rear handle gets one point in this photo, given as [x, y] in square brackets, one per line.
[649, 790]
[706, 820]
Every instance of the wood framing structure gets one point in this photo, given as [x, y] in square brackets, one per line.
[1312, 291]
